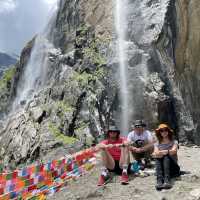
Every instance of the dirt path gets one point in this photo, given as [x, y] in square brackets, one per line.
[186, 188]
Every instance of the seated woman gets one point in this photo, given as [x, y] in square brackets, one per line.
[165, 152]
[115, 157]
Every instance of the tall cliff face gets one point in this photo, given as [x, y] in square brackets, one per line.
[178, 49]
[187, 68]
[75, 16]
[81, 94]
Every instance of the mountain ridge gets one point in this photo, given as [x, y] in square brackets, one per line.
[6, 59]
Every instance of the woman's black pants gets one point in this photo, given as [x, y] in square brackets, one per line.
[166, 168]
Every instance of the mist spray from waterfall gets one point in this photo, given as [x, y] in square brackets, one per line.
[34, 75]
[121, 29]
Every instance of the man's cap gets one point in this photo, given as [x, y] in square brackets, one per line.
[139, 123]
[113, 128]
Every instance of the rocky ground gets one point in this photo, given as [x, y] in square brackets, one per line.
[185, 188]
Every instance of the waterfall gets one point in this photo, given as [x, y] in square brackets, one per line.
[34, 75]
[121, 29]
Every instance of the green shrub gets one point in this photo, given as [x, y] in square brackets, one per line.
[7, 77]
[59, 135]
[84, 78]
[93, 54]
[64, 106]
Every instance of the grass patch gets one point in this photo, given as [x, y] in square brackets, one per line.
[7, 77]
[82, 126]
[65, 107]
[93, 54]
[59, 135]
[85, 78]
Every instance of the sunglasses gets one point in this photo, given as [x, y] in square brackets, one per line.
[163, 130]
[138, 126]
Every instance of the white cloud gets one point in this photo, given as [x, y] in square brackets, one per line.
[20, 20]
[50, 2]
[7, 6]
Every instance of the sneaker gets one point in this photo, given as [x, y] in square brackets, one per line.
[103, 180]
[124, 178]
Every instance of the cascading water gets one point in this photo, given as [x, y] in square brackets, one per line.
[121, 28]
[34, 75]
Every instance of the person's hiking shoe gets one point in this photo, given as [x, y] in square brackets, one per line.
[159, 185]
[124, 178]
[103, 180]
[167, 185]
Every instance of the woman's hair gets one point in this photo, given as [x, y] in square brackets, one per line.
[160, 138]
[116, 131]
[166, 127]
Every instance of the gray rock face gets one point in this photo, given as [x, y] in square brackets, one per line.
[18, 140]
[81, 94]
[187, 65]
[37, 114]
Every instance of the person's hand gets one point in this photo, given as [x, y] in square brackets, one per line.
[126, 143]
[119, 145]
[157, 154]
[164, 152]
[133, 149]
[101, 146]
[139, 150]
[111, 145]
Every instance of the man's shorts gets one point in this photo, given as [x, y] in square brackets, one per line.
[117, 170]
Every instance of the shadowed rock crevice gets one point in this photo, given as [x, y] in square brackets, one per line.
[77, 110]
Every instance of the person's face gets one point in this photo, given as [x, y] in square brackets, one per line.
[164, 132]
[138, 129]
[113, 135]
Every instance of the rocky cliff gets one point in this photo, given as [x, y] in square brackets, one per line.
[80, 95]
[187, 64]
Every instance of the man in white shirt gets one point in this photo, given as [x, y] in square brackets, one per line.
[142, 143]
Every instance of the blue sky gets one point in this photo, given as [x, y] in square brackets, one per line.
[20, 20]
